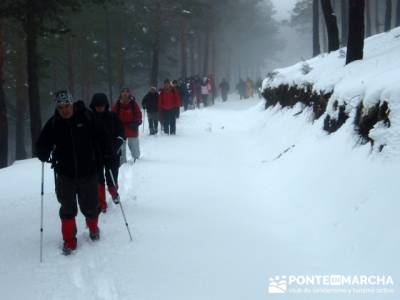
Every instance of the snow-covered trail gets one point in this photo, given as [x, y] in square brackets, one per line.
[213, 215]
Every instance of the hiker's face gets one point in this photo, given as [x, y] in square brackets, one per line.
[167, 85]
[65, 110]
[125, 94]
[100, 109]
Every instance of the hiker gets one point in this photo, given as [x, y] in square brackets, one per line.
[76, 147]
[168, 103]
[115, 137]
[130, 115]
[224, 86]
[150, 104]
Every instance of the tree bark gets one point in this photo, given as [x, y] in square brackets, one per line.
[120, 57]
[368, 31]
[32, 25]
[21, 96]
[316, 44]
[388, 15]
[70, 64]
[398, 13]
[3, 107]
[155, 64]
[345, 21]
[108, 55]
[184, 45]
[192, 55]
[206, 50]
[331, 25]
[377, 20]
[355, 45]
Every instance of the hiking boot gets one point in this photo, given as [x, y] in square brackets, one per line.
[69, 247]
[94, 235]
[115, 199]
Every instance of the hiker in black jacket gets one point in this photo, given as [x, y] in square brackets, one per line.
[77, 147]
[115, 136]
[150, 103]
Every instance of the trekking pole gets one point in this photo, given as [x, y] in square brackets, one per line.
[120, 205]
[41, 215]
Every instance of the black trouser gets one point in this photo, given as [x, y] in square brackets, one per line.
[153, 122]
[169, 119]
[224, 96]
[69, 190]
[114, 169]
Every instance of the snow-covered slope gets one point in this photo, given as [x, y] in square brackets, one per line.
[370, 81]
[239, 195]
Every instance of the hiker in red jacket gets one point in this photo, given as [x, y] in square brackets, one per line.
[130, 115]
[168, 103]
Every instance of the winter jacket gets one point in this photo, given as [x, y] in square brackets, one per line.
[78, 144]
[150, 102]
[224, 86]
[169, 99]
[130, 115]
[205, 89]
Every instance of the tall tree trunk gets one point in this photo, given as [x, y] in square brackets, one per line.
[192, 56]
[155, 63]
[108, 55]
[368, 31]
[316, 44]
[70, 64]
[21, 96]
[345, 21]
[3, 107]
[199, 52]
[184, 45]
[32, 25]
[355, 45]
[388, 15]
[206, 50]
[324, 35]
[398, 13]
[377, 20]
[120, 57]
[331, 25]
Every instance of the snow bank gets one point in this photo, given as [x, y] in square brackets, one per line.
[372, 81]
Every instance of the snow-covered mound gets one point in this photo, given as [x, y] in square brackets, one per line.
[240, 195]
[371, 81]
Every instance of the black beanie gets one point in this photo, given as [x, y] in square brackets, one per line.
[99, 99]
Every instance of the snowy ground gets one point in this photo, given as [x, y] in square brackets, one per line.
[214, 214]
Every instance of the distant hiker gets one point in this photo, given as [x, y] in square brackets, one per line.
[130, 115]
[241, 88]
[213, 88]
[184, 93]
[259, 83]
[168, 102]
[150, 104]
[178, 109]
[205, 91]
[197, 90]
[249, 88]
[224, 86]
[77, 147]
[115, 137]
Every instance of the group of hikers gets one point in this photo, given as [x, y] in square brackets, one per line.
[247, 88]
[87, 146]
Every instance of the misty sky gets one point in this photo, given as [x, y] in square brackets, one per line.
[283, 8]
